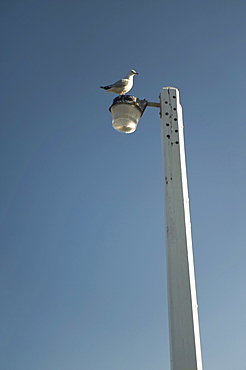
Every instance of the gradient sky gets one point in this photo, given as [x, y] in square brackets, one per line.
[82, 257]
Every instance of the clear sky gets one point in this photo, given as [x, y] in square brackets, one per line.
[82, 258]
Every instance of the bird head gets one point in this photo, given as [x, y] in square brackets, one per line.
[131, 73]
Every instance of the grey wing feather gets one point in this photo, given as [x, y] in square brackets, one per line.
[120, 83]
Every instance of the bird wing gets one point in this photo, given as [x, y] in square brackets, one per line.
[121, 83]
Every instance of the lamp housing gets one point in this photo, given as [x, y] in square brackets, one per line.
[126, 111]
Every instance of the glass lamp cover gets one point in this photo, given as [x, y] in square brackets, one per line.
[125, 117]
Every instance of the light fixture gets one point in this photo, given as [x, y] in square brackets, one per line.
[126, 111]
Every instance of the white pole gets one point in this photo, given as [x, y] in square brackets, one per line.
[184, 337]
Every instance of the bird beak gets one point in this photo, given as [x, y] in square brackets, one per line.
[136, 73]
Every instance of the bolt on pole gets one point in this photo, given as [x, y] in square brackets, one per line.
[184, 336]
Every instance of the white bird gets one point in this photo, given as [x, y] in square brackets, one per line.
[122, 86]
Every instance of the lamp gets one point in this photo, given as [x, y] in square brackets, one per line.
[126, 111]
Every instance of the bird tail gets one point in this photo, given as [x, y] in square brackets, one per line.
[106, 87]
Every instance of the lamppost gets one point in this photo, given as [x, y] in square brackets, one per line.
[184, 336]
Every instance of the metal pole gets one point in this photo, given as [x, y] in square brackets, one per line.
[184, 337]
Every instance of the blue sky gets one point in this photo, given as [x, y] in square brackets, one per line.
[82, 266]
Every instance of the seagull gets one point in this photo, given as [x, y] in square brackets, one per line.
[122, 86]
